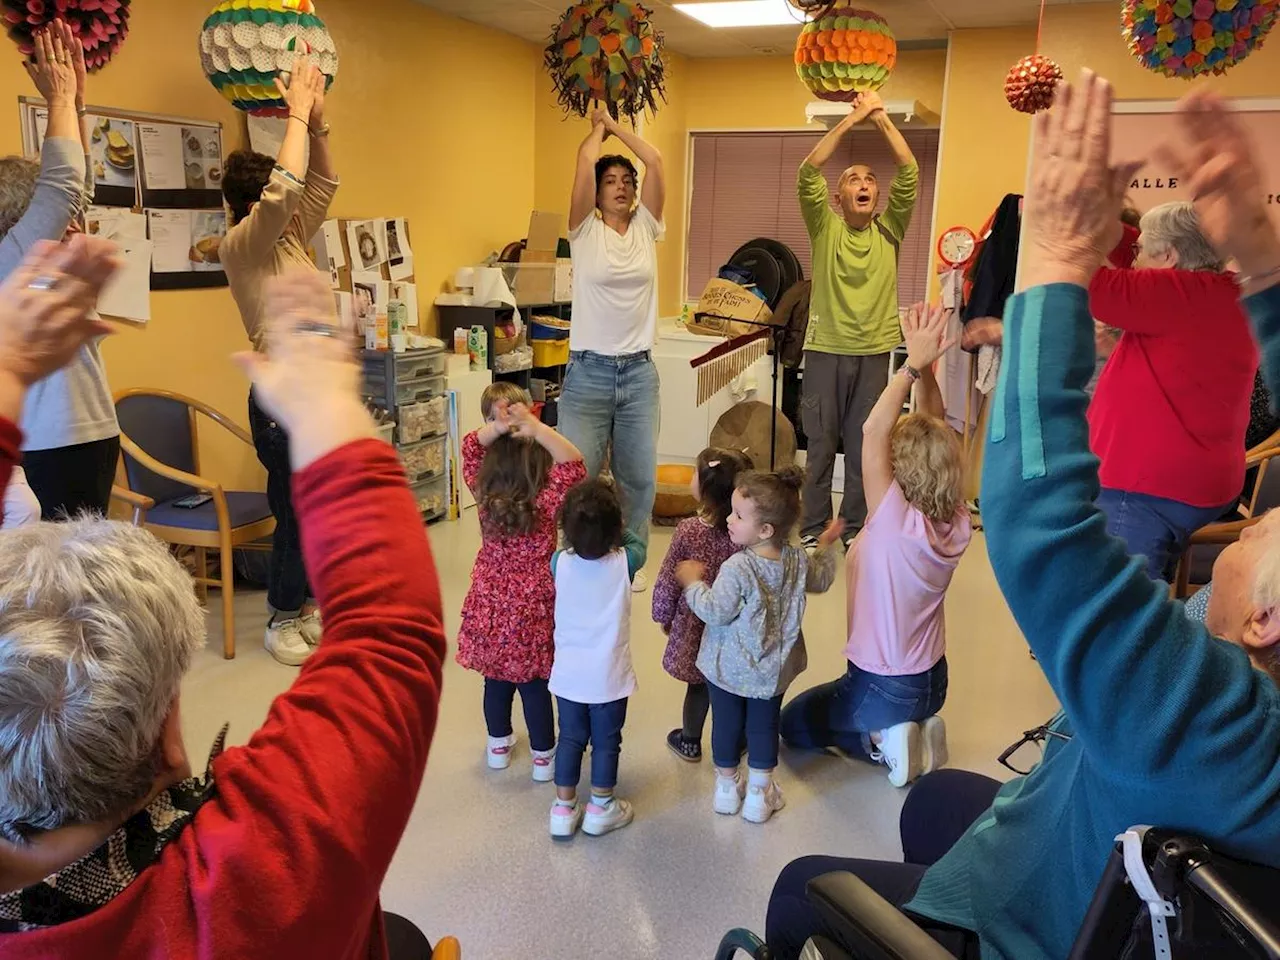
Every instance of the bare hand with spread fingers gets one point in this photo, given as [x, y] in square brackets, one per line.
[1076, 195]
[308, 379]
[1212, 153]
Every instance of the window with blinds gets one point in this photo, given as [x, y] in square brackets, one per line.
[744, 186]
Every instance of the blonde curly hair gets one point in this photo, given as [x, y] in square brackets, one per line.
[929, 465]
[17, 185]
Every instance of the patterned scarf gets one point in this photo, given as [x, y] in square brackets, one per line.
[97, 878]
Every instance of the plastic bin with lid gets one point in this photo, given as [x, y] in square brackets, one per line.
[417, 421]
[432, 496]
[426, 458]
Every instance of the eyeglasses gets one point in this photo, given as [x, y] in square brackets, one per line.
[1037, 737]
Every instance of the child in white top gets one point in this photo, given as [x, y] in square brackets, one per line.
[592, 676]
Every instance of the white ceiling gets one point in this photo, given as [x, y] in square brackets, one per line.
[914, 22]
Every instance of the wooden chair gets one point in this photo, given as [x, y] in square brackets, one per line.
[1262, 495]
[136, 502]
[159, 440]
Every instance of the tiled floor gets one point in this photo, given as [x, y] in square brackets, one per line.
[476, 860]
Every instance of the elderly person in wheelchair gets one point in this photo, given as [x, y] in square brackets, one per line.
[109, 844]
[1164, 720]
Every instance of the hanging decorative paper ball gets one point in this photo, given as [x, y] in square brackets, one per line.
[246, 44]
[101, 25]
[1030, 84]
[607, 52]
[1190, 38]
[845, 53]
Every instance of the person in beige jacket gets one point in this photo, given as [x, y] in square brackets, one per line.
[276, 207]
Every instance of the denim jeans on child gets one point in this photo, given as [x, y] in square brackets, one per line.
[499, 697]
[842, 713]
[599, 724]
[616, 398]
[736, 720]
[1154, 527]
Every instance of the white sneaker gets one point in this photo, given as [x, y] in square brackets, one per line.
[641, 583]
[499, 752]
[565, 819]
[729, 794]
[933, 737]
[601, 820]
[285, 642]
[310, 626]
[763, 802]
[900, 752]
[544, 765]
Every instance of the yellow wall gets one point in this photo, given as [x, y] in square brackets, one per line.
[420, 131]
[985, 142]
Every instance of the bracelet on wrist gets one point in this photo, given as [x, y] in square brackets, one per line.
[301, 120]
[318, 133]
[910, 372]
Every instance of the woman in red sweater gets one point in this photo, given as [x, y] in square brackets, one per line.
[1169, 415]
[109, 845]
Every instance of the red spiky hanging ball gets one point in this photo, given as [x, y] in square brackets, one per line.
[101, 25]
[1030, 84]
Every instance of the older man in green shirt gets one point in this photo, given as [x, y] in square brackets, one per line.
[853, 318]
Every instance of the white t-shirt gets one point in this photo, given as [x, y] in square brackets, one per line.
[615, 285]
[593, 629]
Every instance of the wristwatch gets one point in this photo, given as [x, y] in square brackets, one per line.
[910, 372]
[322, 132]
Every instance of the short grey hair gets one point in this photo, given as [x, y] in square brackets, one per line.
[1175, 226]
[98, 625]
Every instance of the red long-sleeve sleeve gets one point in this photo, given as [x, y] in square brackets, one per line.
[1157, 301]
[10, 455]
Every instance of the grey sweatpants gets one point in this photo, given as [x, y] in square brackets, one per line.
[839, 392]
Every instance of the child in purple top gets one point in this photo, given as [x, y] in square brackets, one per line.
[704, 538]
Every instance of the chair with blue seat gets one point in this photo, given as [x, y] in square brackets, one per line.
[159, 440]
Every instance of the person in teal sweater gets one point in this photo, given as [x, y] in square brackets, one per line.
[1164, 720]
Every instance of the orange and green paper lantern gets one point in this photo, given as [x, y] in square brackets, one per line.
[606, 52]
[246, 44]
[845, 53]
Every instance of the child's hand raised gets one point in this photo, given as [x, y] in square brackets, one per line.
[690, 572]
[925, 331]
[830, 535]
[522, 422]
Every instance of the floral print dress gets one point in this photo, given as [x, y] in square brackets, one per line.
[508, 618]
[694, 539]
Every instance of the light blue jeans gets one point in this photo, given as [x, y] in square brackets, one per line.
[616, 398]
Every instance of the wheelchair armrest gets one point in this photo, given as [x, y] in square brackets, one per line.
[863, 918]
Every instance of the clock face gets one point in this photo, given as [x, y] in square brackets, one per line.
[956, 245]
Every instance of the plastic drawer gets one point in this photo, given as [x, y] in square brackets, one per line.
[409, 391]
[416, 364]
[432, 497]
[417, 421]
[386, 432]
[423, 459]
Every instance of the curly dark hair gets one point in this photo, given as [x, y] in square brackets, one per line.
[513, 474]
[776, 497]
[718, 471]
[591, 519]
[244, 178]
[607, 163]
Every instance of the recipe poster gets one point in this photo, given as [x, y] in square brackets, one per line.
[181, 165]
[185, 248]
[113, 157]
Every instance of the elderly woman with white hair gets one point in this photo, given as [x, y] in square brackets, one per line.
[1171, 408]
[110, 845]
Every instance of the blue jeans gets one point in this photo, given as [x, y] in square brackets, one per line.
[1154, 527]
[737, 720]
[287, 586]
[616, 398]
[499, 698]
[599, 724]
[843, 712]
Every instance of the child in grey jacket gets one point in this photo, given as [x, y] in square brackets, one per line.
[753, 647]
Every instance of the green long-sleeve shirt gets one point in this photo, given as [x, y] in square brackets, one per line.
[853, 309]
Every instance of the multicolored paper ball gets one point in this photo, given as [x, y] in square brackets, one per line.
[845, 53]
[246, 44]
[1030, 83]
[1190, 38]
[607, 52]
[101, 25]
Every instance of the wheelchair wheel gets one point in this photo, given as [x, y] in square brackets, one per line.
[745, 941]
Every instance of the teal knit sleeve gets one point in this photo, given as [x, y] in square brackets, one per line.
[1155, 700]
[1264, 315]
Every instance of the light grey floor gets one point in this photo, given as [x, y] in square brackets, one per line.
[476, 861]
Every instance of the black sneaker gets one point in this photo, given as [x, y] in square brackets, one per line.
[690, 750]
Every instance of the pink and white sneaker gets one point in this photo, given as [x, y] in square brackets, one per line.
[499, 752]
[566, 817]
[600, 820]
[544, 765]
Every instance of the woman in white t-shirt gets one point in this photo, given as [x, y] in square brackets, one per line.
[610, 392]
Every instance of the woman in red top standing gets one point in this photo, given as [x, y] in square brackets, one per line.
[1171, 408]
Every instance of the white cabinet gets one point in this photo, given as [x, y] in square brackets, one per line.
[686, 427]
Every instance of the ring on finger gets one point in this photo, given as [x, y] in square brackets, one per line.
[318, 328]
[45, 282]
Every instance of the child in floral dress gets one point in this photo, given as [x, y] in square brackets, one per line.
[519, 470]
[704, 538]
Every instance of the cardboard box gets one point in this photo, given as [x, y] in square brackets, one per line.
[724, 309]
[538, 285]
[564, 280]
